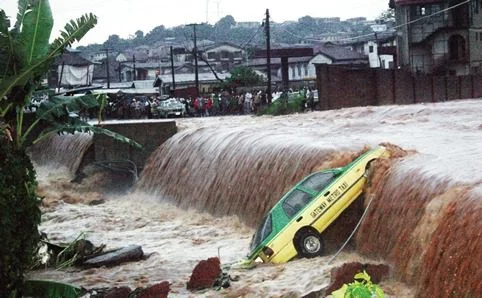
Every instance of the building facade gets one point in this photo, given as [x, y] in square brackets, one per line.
[439, 36]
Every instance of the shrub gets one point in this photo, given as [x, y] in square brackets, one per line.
[19, 216]
[294, 104]
[362, 287]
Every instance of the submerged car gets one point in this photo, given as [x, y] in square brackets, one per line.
[294, 226]
[170, 107]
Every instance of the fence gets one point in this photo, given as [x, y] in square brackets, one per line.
[340, 87]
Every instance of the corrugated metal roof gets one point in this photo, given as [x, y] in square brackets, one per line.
[72, 58]
[338, 53]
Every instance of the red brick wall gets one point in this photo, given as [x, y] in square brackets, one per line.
[340, 87]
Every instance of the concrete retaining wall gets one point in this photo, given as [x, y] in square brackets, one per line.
[150, 134]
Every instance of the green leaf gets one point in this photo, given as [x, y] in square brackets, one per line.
[340, 293]
[35, 31]
[74, 31]
[86, 128]
[47, 288]
[363, 276]
[378, 291]
[23, 5]
[56, 111]
[5, 45]
[58, 106]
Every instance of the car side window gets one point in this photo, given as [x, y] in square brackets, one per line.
[318, 181]
[295, 201]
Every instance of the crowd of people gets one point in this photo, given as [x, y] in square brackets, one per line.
[215, 104]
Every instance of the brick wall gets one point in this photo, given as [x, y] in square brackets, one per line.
[346, 87]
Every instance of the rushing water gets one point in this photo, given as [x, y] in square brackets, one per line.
[211, 183]
[62, 151]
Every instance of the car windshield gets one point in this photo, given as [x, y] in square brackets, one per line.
[317, 182]
[263, 232]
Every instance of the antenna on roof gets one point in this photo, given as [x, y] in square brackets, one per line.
[207, 11]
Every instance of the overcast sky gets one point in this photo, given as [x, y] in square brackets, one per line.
[124, 17]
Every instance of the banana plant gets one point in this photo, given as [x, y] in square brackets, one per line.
[26, 55]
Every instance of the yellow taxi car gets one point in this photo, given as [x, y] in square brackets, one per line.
[294, 226]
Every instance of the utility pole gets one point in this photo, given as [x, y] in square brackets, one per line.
[194, 50]
[268, 56]
[106, 50]
[172, 71]
[134, 76]
[120, 71]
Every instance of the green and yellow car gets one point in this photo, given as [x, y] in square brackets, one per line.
[294, 226]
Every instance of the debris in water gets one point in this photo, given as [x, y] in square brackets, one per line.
[205, 274]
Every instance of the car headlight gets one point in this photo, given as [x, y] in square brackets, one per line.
[268, 251]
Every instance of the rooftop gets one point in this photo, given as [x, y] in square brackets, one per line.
[415, 2]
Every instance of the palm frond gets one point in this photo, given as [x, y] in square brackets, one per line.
[74, 31]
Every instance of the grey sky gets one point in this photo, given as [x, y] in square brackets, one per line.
[124, 17]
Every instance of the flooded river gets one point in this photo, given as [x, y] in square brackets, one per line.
[204, 191]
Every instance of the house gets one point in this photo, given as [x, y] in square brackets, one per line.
[223, 56]
[101, 68]
[439, 36]
[329, 53]
[70, 70]
[378, 47]
[303, 68]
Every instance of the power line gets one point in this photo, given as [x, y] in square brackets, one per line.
[244, 45]
[395, 27]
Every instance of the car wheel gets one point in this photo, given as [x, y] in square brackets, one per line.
[309, 244]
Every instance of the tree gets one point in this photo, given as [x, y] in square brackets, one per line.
[25, 57]
[243, 76]
[226, 22]
[388, 16]
[139, 34]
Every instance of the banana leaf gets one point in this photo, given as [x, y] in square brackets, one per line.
[48, 288]
[34, 63]
[55, 113]
[35, 32]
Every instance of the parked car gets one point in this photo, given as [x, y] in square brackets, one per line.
[170, 107]
[294, 226]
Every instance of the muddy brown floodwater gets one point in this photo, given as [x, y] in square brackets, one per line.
[203, 192]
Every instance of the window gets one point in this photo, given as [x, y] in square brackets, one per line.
[224, 55]
[295, 201]
[263, 232]
[317, 182]
[370, 49]
[456, 47]
[211, 55]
